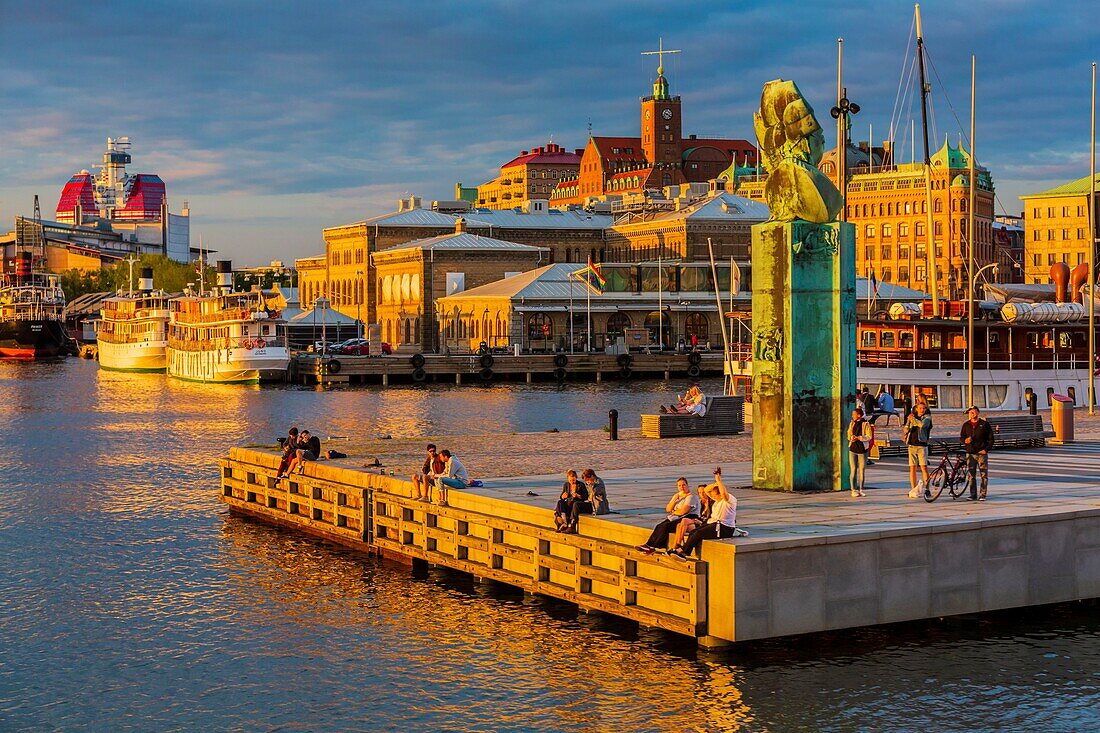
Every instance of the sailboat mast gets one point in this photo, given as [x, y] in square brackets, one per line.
[930, 248]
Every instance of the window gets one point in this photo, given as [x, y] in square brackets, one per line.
[887, 230]
[617, 323]
[888, 340]
[918, 229]
[905, 339]
[1050, 235]
[903, 252]
[931, 340]
[539, 327]
[869, 231]
[903, 274]
[697, 326]
[903, 228]
[937, 206]
[920, 273]
[1035, 261]
[1050, 258]
[886, 275]
[870, 340]
[887, 252]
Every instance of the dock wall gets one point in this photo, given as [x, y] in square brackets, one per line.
[598, 569]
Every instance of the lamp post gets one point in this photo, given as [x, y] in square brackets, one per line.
[358, 303]
[970, 331]
[842, 113]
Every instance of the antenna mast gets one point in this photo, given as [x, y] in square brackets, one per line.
[929, 227]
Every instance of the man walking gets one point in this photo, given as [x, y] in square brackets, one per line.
[977, 438]
[918, 430]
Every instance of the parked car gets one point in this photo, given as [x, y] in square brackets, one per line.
[362, 348]
[319, 346]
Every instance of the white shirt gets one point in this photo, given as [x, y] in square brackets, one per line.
[456, 470]
[691, 501]
[724, 512]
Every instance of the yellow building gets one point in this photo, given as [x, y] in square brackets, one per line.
[532, 174]
[1056, 228]
[888, 207]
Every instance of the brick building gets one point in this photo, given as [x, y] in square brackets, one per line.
[532, 174]
[659, 157]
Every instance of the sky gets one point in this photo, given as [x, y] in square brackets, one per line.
[276, 119]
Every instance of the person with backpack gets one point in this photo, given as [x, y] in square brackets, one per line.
[918, 431]
[861, 436]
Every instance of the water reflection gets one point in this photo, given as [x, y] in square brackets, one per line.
[132, 601]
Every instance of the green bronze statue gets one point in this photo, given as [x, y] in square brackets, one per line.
[791, 143]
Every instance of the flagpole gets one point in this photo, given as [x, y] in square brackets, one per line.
[570, 313]
[660, 305]
[589, 329]
[727, 367]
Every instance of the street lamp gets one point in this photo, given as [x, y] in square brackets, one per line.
[970, 331]
[358, 303]
[842, 113]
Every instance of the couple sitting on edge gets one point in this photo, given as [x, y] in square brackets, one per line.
[694, 402]
[441, 470]
[709, 514]
[297, 449]
[588, 496]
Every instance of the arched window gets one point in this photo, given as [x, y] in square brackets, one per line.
[660, 330]
[617, 323]
[539, 327]
[408, 331]
[697, 325]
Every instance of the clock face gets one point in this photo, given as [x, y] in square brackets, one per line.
[667, 114]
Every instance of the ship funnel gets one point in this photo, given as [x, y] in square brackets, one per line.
[23, 264]
[225, 276]
[1059, 274]
[145, 282]
[1078, 276]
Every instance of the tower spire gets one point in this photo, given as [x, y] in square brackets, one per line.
[660, 85]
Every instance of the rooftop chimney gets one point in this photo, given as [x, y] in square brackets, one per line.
[460, 225]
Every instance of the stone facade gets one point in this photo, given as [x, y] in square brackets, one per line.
[530, 175]
[1056, 224]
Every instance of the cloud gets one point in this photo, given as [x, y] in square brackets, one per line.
[277, 119]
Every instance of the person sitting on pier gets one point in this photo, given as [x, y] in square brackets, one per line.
[689, 524]
[597, 492]
[454, 476]
[684, 503]
[309, 448]
[722, 523]
[290, 449]
[573, 502]
[429, 472]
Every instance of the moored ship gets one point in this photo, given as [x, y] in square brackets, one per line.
[226, 337]
[31, 305]
[133, 330]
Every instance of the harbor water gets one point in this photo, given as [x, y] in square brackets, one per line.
[130, 600]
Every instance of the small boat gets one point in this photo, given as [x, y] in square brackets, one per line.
[31, 306]
[133, 330]
[226, 337]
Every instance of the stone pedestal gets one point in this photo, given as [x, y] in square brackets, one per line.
[804, 349]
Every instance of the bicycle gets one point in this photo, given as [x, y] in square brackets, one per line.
[951, 473]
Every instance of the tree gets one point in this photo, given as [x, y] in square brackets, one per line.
[168, 275]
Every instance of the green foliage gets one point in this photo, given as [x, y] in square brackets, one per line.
[168, 275]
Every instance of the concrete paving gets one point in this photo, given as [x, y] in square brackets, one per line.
[1026, 483]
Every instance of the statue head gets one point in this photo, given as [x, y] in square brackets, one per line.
[786, 127]
[791, 144]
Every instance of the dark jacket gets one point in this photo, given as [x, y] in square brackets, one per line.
[981, 436]
[313, 445]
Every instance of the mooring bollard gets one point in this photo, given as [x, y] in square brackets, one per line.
[613, 424]
[1032, 403]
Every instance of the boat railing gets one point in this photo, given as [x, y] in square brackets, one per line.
[24, 312]
[959, 361]
[226, 316]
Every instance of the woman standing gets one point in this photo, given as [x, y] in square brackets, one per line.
[860, 437]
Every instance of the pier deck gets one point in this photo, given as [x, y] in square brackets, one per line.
[812, 563]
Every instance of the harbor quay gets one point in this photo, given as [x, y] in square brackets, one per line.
[812, 561]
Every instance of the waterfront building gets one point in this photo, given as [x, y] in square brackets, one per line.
[411, 278]
[345, 272]
[1056, 223]
[887, 204]
[134, 206]
[659, 157]
[1008, 247]
[533, 174]
[678, 227]
[60, 247]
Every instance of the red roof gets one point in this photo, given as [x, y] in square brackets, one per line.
[146, 196]
[550, 154]
[641, 173]
[606, 146]
[79, 190]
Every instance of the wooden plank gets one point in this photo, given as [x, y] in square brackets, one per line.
[559, 564]
[600, 575]
[511, 551]
[657, 588]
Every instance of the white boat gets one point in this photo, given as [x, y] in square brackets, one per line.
[226, 337]
[132, 332]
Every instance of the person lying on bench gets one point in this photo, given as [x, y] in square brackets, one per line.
[694, 402]
[684, 503]
[722, 522]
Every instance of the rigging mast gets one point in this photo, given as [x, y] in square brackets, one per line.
[930, 247]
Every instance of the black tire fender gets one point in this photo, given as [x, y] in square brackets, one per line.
[486, 374]
[419, 375]
[559, 374]
[625, 372]
[560, 360]
[417, 360]
[333, 366]
[486, 360]
[625, 360]
[694, 358]
[694, 371]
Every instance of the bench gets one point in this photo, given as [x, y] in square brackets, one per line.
[724, 416]
[1009, 431]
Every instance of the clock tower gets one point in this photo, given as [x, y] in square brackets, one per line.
[661, 131]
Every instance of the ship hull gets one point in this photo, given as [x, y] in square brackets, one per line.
[229, 366]
[37, 339]
[147, 356]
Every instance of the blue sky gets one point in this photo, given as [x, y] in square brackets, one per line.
[275, 119]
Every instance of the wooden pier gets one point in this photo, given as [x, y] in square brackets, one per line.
[813, 562]
[489, 368]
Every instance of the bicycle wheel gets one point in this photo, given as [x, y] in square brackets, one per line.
[934, 487]
[960, 483]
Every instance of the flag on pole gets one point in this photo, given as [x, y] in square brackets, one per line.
[592, 277]
[874, 285]
[735, 277]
